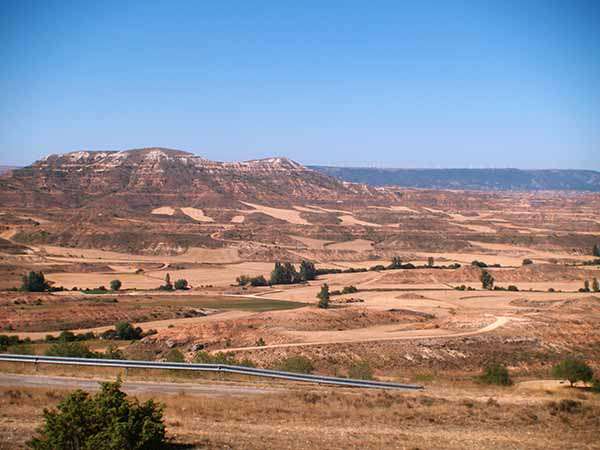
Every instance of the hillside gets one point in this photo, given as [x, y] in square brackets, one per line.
[478, 179]
[143, 178]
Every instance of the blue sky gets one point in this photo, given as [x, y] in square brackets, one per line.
[394, 84]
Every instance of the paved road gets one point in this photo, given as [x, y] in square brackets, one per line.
[133, 387]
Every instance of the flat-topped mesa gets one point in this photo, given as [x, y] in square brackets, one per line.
[147, 176]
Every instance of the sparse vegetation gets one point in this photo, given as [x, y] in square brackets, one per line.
[360, 370]
[573, 370]
[297, 364]
[496, 373]
[108, 420]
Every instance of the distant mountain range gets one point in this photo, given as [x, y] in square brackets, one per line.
[478, 179]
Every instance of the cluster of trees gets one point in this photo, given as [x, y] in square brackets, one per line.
[595, 286]
[286, 273]
[181, 284]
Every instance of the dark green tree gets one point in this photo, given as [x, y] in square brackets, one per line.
[115, 285]
[71, 350]
[34, 282]
[323, 296]
[430, 261]
[106, 421]
[125, 331]
[595, 285]
[487, 280]
[573, 370]
[307, 271]
[278, 274]
[396, 263]
[181, 284]
[596, 250]
[586, 285]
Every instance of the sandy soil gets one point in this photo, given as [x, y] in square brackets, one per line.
[164, 210]
[197, 214]
[289, 215]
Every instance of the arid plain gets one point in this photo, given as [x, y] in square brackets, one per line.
[430, 322]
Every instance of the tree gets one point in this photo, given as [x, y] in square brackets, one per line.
[586, 285]
[278, 274]
[527, 262]
[307, 271]
[496, 373]
[430, 261]
[573, 370]
[487, 280]
[259, 281]
[106, 421]
[323, 296]
[181, 284]
[596, 250]
[595, 285]
[168, 286]
[115, 285]
[34, 282]
[396, 263]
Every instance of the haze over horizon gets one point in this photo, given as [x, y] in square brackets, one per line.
[452, 85]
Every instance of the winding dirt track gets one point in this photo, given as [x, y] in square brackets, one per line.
[383, 331]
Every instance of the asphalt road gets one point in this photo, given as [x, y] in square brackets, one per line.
[12, 380]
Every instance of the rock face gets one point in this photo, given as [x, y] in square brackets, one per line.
[155, 176]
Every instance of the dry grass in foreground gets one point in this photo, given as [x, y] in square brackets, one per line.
[327, 418]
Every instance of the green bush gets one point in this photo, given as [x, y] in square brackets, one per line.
[115, 285]
[323, 297]
[496, 373]
[573, 370]
[360, 370]
[297, 364]
[70, 349]
[125, 331]
[349, 289]
[105, 421]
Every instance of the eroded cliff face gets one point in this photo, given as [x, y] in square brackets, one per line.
[151, 176]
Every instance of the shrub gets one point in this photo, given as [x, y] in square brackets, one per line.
[349, 289]
[297, 364]
[513, 288]
[527, 262]
[496, 373]
[105, 421]
[573, 370]
[479, 264]
[260, 342]
[360, 370]
[595, 285]
[174, 355]
[70, 349]
[181, 284]
[34, 282]
[115, 285]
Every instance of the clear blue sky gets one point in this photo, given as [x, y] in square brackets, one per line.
[400, 84]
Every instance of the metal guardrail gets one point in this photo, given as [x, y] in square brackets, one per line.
[223, 368]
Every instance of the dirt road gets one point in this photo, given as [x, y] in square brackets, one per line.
[374, 334]
[132, 387]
